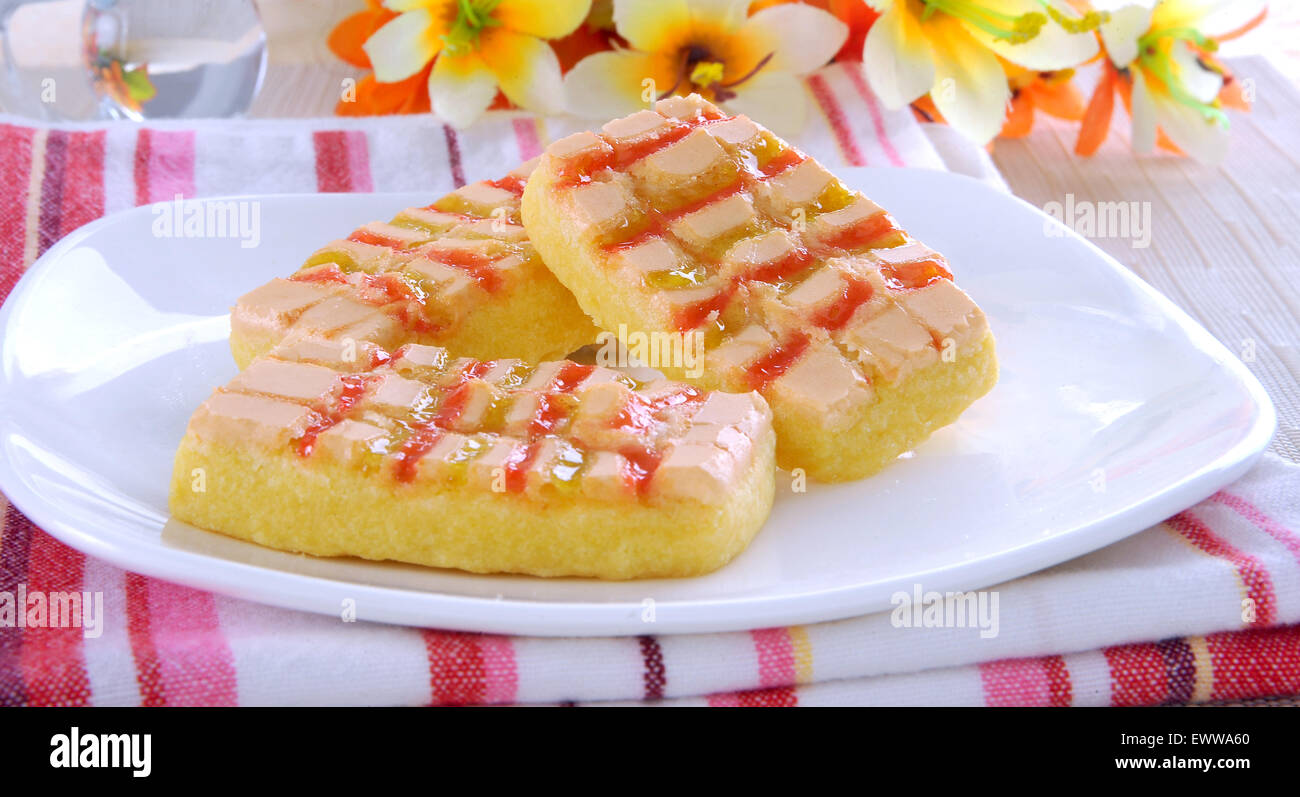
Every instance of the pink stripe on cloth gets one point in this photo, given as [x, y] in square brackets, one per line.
[164, 165]
[1252, 513]
[859, 82]
[1026, 682]
[500, 671]
[530, 146]
[838, 121]
[1254, 575]
[776, 662]
[195, 665]
[342, 161]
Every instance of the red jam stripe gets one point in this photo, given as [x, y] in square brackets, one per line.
[326, 272]
[578, 169]
[477, 266]
[693, 315]
[658, 222]
[870, 233]
[782, 268]
[914, 275]
[354, 387]
[853, 294]
[423, 439]
[517, 464]
[547, 417]
[766, 369]
[374, 239]
[514, 185]
[787, 159]
[640, 468]
[570, 376]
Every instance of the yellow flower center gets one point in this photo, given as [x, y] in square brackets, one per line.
[472, 16]
[707, 73]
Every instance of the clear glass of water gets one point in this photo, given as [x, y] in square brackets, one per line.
[134, 59]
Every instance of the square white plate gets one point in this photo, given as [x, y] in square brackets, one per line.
[1114, 411]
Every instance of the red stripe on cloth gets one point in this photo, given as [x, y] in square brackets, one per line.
[195, 662]
[359, 161]
[148, 671]
[501, 670]
[49, 225]
[1250, 512]
[15, 548]
[333, 165]
[164, 165]
[780, 697]
[839, 123]
[1138, 675]
[1255, 663]
[15, 173]
[453, 156]
[859, 81]
[530, 146]
[53, 657]
[1252, 572]
[1059, 685]
[83, 182]
[776, 665]
[1180, 670]
[653, 673]
[457, 674]
[1041, 681]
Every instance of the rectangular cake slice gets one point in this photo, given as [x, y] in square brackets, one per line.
[554, 469]
[685, 220]
[459, 273]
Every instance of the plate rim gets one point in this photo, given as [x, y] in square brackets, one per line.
[395, 605]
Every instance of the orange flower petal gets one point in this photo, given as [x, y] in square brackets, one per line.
[1061, 99]
[347, 37]
[1020, 117]
[1096, 118]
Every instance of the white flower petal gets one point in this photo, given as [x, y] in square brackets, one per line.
[609, 84]
[461, 89]
[526, 68]
[730, 14]
[1122, 31]
[801, 38]
[1144, 115]
[1195, 134]
[650, 24]
[1203, 84]
[897, 59]
[403, 46]
[774, 98]
[970, 88]
[1053, 48]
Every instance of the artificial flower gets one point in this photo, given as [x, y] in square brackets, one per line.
[854, 13]
[749, 64]
[1160, 61]
[950, 49]
[476, 47]
[1053, 93]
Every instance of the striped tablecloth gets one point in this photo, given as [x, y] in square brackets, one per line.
[1156, 618]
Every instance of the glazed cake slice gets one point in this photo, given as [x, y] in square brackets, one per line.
[459, 273]
[556, 469]
[685, 220]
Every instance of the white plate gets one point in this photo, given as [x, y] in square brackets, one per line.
[1114, 411]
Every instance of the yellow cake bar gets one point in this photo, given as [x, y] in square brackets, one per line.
[459, 273]
[555, 469]
[685, 220]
